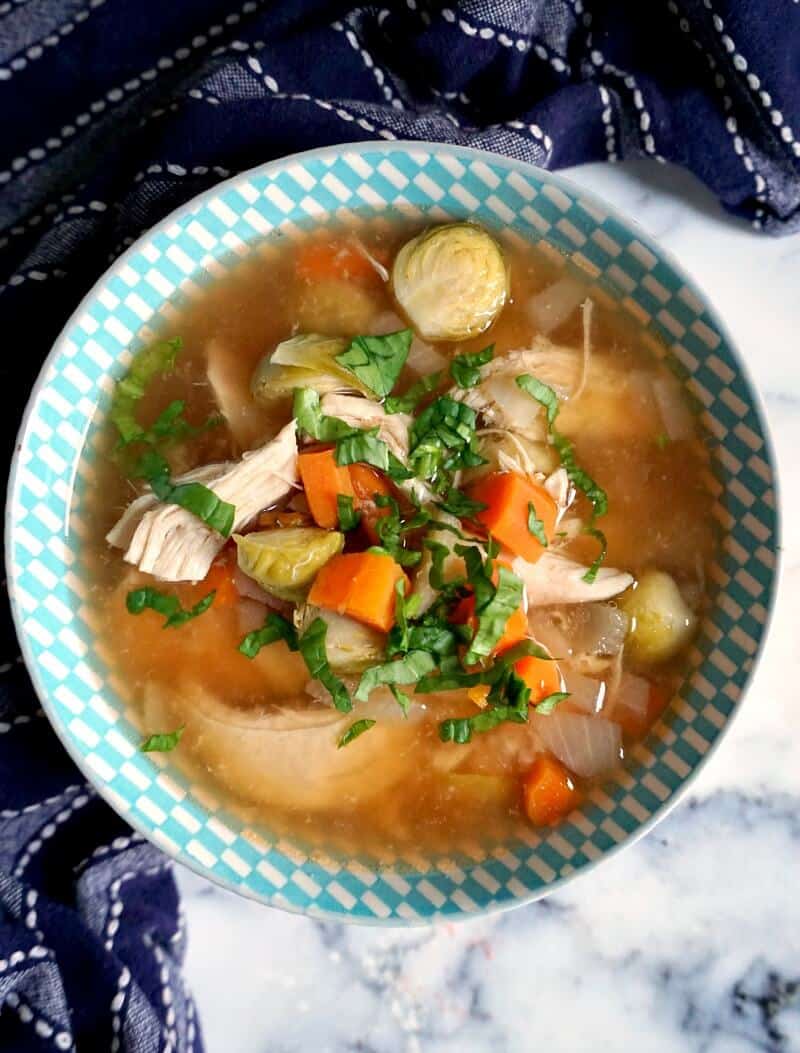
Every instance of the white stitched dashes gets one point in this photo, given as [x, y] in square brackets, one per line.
[116, 906]
[36, 50]
[35, 845]
[380, 76]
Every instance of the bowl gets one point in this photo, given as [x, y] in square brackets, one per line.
[126, 307]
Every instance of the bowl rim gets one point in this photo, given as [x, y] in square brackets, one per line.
[267, 168]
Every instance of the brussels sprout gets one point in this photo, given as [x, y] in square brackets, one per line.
[661, 622]
[284, 562]
[350, 646]
[307, 360]
[451, 281]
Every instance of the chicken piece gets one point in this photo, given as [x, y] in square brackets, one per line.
[557, 484]
[229, 377]
[364, 413]
[615, 403]
[174, 545]
[556, 579]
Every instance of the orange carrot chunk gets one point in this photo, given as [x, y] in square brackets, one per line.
[323, 480]
[541, 676]
[361, 585]
[323, 259]
[548, 792]
[220, 579]
[368, 483]
[508, 498]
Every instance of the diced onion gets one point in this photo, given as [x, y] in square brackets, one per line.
[675, 414]
[630, 704]
[585, 692]
[589, 746]
[553, 305]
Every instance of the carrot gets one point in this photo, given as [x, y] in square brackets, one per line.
[323, 480]
[220, 578]
[323, 259]
[361, 585]
[508, 497]
[548, 791]
[541, 676]
[367, 483]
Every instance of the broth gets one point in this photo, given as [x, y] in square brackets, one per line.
[404, 791]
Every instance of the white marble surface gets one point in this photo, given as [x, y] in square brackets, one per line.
[689, 940]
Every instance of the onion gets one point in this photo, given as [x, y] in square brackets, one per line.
[553, 305]
[675, 414]
[517, 406]
[424, 359]
[252, 591]
[589, 746]
[600, 628]
[585, 692]
[630, 704]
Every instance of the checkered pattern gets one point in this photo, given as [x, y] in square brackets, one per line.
[366, 184]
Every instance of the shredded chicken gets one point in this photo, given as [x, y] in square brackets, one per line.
[229, 378]
[175, 545]
[557, 484]
[364, 413]
[556, 579]
[586, 315]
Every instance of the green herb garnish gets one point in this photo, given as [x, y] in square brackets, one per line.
[312, 648]
[356, 729]
[147, 364]
[162, 742]
[458, 504]
[493, 614]
[591, 574]
[194, 497]
[377, 361]
[416, 393]
[536, 526]
[443, 439]
[349, 518]
[166, 603]
[406, 670]
[548, 704]
[466, 369]
[274, 628]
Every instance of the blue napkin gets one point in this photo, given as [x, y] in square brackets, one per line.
[113, 112]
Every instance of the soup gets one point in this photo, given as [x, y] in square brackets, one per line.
[398, 538]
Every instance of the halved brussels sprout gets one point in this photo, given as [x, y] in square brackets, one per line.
[451, 281]
[307, 360]
[661, 622]
[285, 562]
[350, 646]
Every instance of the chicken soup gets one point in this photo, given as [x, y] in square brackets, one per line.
[398, 538]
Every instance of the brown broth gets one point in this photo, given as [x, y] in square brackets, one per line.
[659, 515]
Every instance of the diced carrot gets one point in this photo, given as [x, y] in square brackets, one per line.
[508, 497]
[323, 259]
[548, 791]
[361, 585]
[367, 483]
[220, 578]
[541, 676]
[323, 480]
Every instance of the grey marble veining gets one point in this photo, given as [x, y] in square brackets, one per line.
[688, 940]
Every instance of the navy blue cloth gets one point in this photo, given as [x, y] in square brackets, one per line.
[113, 112]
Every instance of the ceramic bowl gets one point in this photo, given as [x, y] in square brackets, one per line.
[54, 460]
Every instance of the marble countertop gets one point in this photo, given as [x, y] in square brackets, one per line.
[688, 940]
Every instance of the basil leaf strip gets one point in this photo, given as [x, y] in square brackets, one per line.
[536, 525]
[146, 364]
[406, 670]
[274, 628]
[494, 615]
[356, 729]
[548, 704]
[591, 574]
[466, 369]
[377, 361]
[162, 742]
[148, 598]
[194, 497]
[312, 648]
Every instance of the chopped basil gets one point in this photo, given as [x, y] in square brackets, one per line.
[364, 447]
[148, 598]
[591, 574]
[146, 364]
[443, 439]
[356, 729]
[536, 526]
[274, 628]
[461, 729]
[439, 554]
[162, 742]
[548, 704]
[406, 670]
[547, 398]
[404, 609]
[377, 361]
[170, 425]
[466, 369]
[416, 393]
[458, 504]
[312, 647]
[349, 518]
[493, 615]
[390, 529]
[401, 698]
[194, 497]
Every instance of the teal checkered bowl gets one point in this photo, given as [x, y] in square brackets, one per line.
[99, 727]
